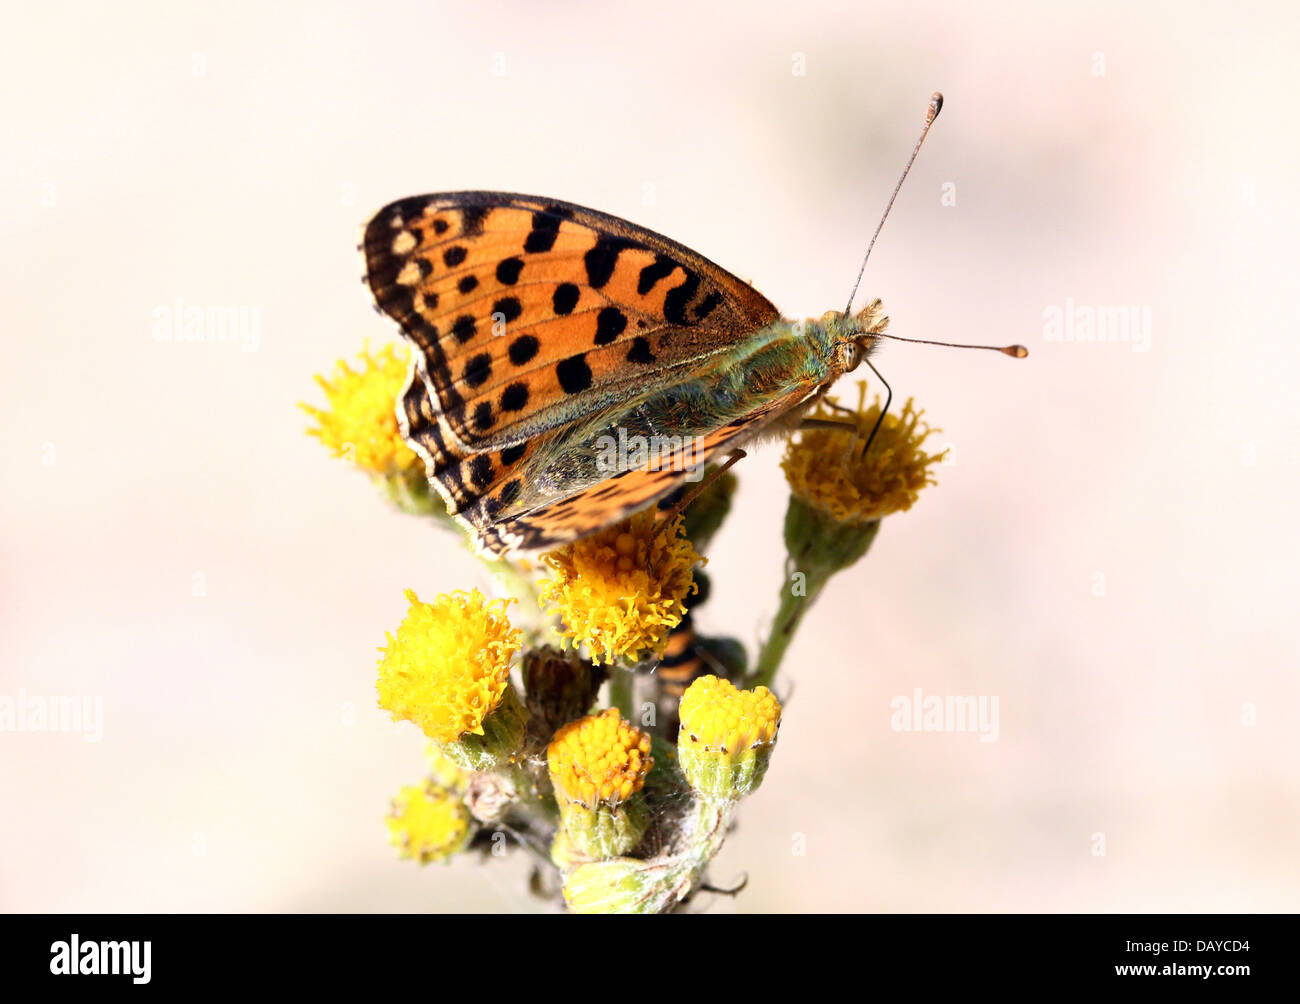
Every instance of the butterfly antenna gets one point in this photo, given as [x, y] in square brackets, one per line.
[931, 113]
[1015, 351]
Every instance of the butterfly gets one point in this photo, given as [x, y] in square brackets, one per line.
[543, 331]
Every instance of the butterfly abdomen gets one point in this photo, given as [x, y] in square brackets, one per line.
[688, 656]
[683, 659]
[773, 364]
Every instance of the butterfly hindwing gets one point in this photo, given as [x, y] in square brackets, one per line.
[603, 503]
[569, 482]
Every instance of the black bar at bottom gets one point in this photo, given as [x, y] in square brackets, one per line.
[460, 955]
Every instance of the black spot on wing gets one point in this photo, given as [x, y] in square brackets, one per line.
[477, 370]
[510, 491]
[610, 323]
[660, 268]
[471, 220]
[640, 351]
[508, 307]
[514, 397]
[508, 270]
[601, 259]
[546, 227]
[707, 305]
[565, 298]
[522, 349]
[480, 470]
[676, 301]
[463, 328]
[574, 374]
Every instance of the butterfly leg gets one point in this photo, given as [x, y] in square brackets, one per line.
[827, 423]
[666, 520]
[834, 406]
[831, 423]
[835, 425]
[733, 458]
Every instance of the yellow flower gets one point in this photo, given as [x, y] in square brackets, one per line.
[717, 715]
[620, 591]
[448, 666]
[826, 467]
[726, 736]
[598, 766]
[361, 421]
[599, 758]
[427, 822]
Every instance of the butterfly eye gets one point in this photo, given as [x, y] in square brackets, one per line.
[850, 355]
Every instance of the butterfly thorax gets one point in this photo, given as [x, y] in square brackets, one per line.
[792, 363]
[810, 354]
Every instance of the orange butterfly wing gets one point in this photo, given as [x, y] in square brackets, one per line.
[528, 315]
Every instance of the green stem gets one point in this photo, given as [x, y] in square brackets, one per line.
[514, 580]
[789, 615]
[817, 547]
[622, 691]
[533, 792]
[706, 823]
[710, 819]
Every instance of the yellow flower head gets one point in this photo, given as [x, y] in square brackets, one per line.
[427, 822]
[361, 421]
[726, 737]
[599, 759]
[715, 715]
[449, 664]
[826, 467]
[620, 592]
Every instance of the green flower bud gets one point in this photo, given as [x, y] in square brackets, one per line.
[558, 687]
[626, 885]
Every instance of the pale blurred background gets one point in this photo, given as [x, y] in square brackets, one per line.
[1112, 555]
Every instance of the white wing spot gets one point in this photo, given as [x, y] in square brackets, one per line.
[410, 274]
[404, 242]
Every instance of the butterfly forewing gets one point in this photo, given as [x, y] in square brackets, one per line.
[529, 315]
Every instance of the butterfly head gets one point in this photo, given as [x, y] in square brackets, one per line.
[853, 336]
